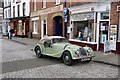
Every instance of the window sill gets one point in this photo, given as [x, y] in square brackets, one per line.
[57, 4]
[35, 33]
[75, 40]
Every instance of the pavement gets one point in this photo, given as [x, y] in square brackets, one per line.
[100, 57]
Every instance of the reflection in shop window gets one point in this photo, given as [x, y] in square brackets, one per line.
[84, 30]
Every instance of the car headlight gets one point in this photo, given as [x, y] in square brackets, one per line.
[77, 52]
[89, 50]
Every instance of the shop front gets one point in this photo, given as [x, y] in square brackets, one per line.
[83, 30]
[90, 25]
[21, 26]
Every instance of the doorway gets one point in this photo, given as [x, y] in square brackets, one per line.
[58, 29]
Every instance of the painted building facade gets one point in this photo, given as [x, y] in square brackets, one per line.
[1, 16]
[7, 16]
[20, 14]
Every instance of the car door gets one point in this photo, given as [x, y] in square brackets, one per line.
[48, 48]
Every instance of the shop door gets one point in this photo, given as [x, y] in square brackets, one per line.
[113, 36]
[104, 29]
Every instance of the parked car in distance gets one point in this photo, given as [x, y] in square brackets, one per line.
[59, 47]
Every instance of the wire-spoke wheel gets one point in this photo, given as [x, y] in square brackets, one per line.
[67, 59]
[38, 52]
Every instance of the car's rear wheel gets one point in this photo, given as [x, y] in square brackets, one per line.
[38, 52]
[67, 59]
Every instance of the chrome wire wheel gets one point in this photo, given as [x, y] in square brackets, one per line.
[38, 52]
[67, 59]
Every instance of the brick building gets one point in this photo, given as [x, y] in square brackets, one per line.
[89, 24]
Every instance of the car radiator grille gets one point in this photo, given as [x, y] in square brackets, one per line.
[83, 52]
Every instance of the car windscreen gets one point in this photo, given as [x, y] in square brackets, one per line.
[59, 40]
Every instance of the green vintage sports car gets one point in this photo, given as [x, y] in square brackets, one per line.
[59, 47]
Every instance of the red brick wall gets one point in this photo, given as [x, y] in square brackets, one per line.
[114, 13]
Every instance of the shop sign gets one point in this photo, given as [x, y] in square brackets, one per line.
[36, 18]
[47, 11]
[118, 8]
[82, 16]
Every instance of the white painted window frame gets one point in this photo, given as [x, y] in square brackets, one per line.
[34, 27]
[57, 2]
[44, 4]
[42, 28]
[35, 5]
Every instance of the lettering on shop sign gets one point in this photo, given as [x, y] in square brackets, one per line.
[118, 8]
[47, 11]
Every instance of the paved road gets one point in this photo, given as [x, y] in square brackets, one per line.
[19, 62]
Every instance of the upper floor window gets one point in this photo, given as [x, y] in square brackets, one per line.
[57, 2]
[23, 9]
[9, 1]
[18, 10]
[13, 1]
[44, 3]
[9, 13]
[13, 11]
[35, 5]
[104, 15]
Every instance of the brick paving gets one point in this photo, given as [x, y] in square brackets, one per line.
[91, 70]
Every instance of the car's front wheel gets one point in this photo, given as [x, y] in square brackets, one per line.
[38, 52]
[67, 59]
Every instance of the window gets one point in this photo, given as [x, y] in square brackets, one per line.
[34, 5]
[83, 27]
[57, 2]
[9, 13]
[35, 25]
[44, 3]
[9, 2]
[6, 13]
[105, 15]
[23, 9]
[18, 10]
[13, 11]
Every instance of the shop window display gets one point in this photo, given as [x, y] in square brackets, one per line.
[84, 30]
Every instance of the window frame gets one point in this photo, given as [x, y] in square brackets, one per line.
[24, 10]
[57, 2]
[34, 6]
[35, 31]
[43, 3]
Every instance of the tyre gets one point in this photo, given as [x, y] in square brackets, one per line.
[38, 52]
[67, 59]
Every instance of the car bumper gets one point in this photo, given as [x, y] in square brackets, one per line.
[83, 58]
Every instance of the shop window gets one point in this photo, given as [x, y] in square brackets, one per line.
[35, 25]
[84, 30]
[104, 15]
